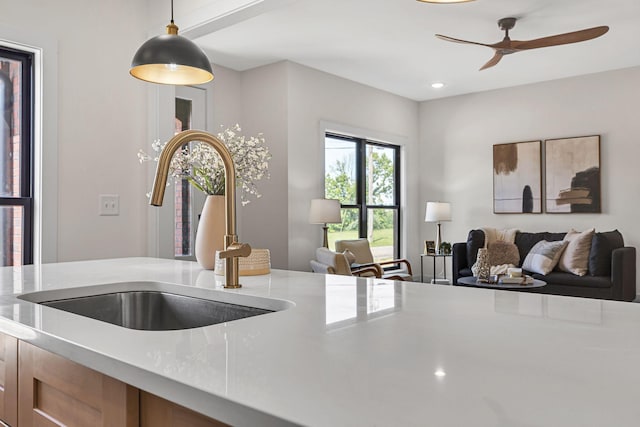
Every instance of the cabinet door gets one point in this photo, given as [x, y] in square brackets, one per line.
[158, 412]
[55, 391]
[9, 379]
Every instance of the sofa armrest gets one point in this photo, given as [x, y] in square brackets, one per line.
[623, 273]
[459, 260]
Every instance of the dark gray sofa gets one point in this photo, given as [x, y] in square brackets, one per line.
[612, 266]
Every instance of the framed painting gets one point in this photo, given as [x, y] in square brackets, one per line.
[572, 175]
[517, 177]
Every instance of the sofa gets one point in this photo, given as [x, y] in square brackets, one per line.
[611, 274]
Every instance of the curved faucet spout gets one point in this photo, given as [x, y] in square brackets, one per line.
[160, 182]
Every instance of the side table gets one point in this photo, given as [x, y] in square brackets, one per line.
[434, 256]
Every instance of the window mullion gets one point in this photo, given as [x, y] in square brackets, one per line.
[361, 187]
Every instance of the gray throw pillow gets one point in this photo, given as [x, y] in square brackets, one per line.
[544, 256]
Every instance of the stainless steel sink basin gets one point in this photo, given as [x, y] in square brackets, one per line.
[155, 306]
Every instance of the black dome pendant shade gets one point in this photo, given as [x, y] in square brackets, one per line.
[171, 59]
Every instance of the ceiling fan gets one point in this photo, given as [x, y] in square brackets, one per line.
[508, 46]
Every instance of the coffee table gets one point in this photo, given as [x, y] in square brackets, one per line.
[472, 281]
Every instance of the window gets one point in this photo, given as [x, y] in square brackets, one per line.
[16, 180]
[365, 176]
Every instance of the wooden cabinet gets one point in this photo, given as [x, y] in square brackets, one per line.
[54, 391]
[158, 412]
[8, 380]
[49, 390]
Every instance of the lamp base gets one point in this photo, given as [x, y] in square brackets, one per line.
[438, 239]
[325, 241]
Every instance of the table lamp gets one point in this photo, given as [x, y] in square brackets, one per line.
[325, 211]
[437, 212]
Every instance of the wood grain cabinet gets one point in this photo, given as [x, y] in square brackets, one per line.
[8, 380]
[54, 391]
[158, 412]
[39, 388]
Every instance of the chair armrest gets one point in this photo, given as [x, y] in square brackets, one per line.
[364, 270]
[623, 273]
[374, 265]
[399, 261]
[459, 260]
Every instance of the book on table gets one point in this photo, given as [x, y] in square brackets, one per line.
[522, 280]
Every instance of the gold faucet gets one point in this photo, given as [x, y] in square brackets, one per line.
[233, 249]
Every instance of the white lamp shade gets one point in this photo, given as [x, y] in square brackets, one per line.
[324, 211]
[438, 211]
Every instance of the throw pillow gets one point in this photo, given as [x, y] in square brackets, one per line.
[501, 252]
[350, 256]
[601, 247]
[544, 256]
[575, 258]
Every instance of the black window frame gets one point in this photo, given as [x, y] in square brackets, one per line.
[25, 199]
[361, 205]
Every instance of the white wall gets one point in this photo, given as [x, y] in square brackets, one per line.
[263, 222]
[457, 135]
[318, 100]
[292, 106]
[101, 116]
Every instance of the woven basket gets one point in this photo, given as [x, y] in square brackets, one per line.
[256, 264]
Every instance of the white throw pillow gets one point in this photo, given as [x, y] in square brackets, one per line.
[575, 258]
[544, 256]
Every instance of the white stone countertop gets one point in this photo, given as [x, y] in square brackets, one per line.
[354, 352]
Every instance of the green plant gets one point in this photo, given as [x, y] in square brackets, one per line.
[445, 248]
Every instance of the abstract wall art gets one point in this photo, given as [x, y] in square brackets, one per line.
[572, 175]
[517, 177]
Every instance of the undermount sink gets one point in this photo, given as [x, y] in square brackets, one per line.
[156, 306]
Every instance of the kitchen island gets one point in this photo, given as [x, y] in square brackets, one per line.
[352, 351]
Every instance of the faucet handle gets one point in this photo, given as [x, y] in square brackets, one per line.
[235, 250]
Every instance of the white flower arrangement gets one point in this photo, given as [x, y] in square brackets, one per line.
[201, 165]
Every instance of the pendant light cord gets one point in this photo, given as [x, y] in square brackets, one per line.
[172, 11]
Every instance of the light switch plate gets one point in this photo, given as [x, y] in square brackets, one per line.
[109, 204]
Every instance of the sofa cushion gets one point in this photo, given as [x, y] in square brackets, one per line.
[526, 241]
[569, 279]
[575, 258]
[602, 244]
[475, 241]
[544, 256]
[465, 272]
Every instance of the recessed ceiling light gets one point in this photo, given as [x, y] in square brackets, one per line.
[437, 85]
[440, 373]
[444, 1]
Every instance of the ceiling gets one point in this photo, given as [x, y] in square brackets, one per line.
[390, 44]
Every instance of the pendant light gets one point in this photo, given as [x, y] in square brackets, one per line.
[171, 59]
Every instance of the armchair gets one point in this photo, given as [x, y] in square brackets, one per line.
[329, 262]
[364, 258]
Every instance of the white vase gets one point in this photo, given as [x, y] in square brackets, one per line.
[210, 232]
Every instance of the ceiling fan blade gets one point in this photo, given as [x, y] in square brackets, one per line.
[451, 39]
[560, 39]
[493, 61]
